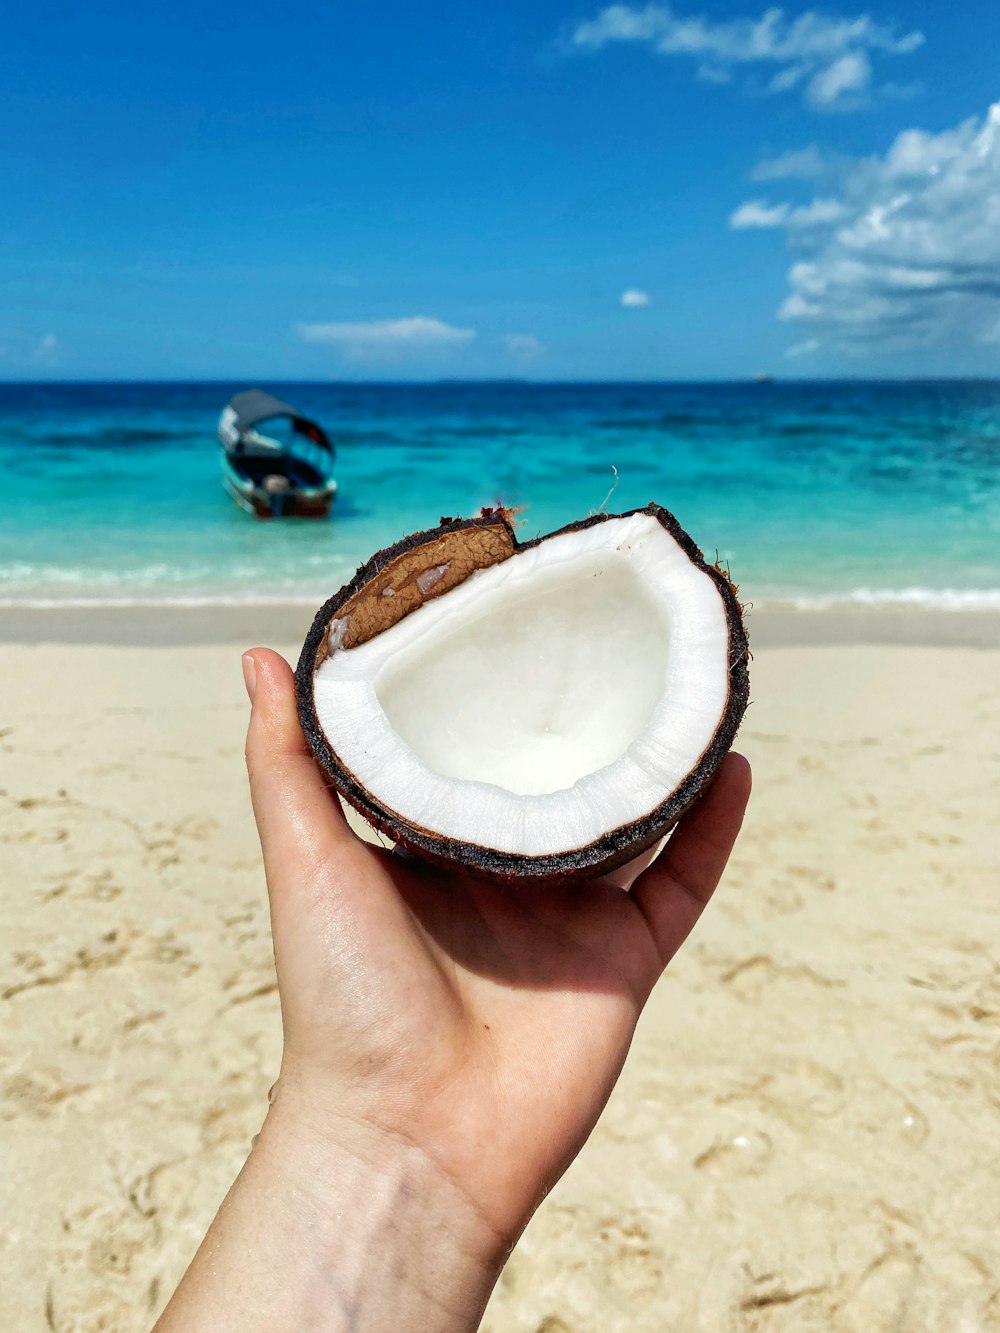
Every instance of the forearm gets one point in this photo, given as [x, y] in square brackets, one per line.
[321, 1236]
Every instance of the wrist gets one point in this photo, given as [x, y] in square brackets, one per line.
[385, 1239]
[334, 1226]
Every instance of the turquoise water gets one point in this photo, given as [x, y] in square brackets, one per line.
[813, 493]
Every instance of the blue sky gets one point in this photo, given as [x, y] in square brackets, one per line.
[399, 191]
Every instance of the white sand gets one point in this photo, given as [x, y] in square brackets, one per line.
[806, 1135]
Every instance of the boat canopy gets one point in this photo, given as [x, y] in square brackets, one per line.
[246, 410]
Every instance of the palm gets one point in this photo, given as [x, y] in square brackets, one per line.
[486, 1024]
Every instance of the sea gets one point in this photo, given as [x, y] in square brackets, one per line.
[814, 494]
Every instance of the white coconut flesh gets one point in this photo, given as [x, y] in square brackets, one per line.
[542, 702]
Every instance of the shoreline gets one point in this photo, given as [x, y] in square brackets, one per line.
[247, 624]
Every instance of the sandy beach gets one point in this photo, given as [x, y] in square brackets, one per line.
[805, 1136]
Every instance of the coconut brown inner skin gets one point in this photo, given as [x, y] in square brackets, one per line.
[415, 575]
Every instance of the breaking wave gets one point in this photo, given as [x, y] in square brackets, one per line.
[927, 599]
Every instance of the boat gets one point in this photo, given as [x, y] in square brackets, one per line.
[276, 463]
[763, 377]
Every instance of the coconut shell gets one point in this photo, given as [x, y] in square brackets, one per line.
[397, 581]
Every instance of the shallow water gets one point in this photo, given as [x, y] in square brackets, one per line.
[844, 492]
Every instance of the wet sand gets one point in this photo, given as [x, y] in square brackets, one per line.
[805, 1137]
[149, 625]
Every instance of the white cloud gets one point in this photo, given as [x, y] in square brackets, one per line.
[798, 164]
[758, 213]
[788, 78]
[392, 337]
[525, 346]
[633, 299]
[804, 348]
[717, 74]
[908, 252]
[839, 84]
[827, 58]
[47, 349]
[819, 213]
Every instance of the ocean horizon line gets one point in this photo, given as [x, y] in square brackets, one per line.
[751, 381]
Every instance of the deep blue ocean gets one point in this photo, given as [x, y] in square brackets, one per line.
[814, 493]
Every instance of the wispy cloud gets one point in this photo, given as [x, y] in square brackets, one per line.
[388, 337]
[760, 214]
[850, 75]
[797, 164]
[908, 251]
[46, 350]
[633, 299]
[804, 348]
[524, 346]
[826, 61]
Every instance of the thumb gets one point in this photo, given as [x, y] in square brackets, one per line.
[298, 816]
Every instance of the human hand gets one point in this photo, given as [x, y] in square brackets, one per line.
[462, 1034]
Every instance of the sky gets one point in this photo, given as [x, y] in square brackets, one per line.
[548, 189]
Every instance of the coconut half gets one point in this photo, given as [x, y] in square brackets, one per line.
[537, 709]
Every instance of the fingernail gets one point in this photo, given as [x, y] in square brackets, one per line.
[250, 675]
